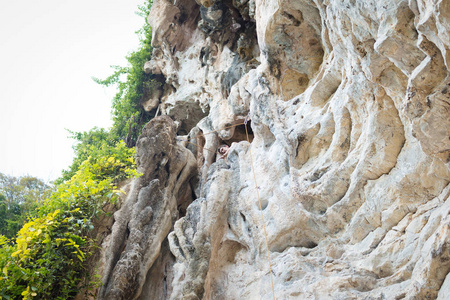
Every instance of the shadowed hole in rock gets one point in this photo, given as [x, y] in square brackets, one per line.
[239, 135]
[245, 223]
[243, 217]
[264, 204]
[304, 243]
[310, 245]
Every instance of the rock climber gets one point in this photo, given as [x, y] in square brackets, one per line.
[222, 151]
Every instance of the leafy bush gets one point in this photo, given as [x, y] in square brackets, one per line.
[19, 197]
[88, 142]
[47, 259]
[94, 182]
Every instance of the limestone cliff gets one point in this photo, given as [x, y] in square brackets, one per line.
[347, 106]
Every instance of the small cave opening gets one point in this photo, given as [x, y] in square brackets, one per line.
[239, 135]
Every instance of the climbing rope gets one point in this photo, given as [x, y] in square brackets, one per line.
[260, 208]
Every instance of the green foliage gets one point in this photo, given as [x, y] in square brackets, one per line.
[11, 219]
[48, 257]
[89, 143]
[19, 197]
[132, 85]
[93, 184]
[47, 260]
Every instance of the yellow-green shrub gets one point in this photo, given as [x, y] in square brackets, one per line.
[94, 183]
[47, 259]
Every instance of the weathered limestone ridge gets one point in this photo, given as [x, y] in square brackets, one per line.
[145, 219]
[348, 110]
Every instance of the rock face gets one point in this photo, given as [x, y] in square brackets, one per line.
[145, 219]
[347, 110]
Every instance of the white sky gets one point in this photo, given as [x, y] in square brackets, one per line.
[49, 49]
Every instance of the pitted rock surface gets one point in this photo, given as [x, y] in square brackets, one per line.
[348, 110]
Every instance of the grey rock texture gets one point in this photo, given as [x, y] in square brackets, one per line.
[349, 129]
[145, 219]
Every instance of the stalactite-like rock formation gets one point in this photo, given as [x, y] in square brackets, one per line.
[349, 108]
